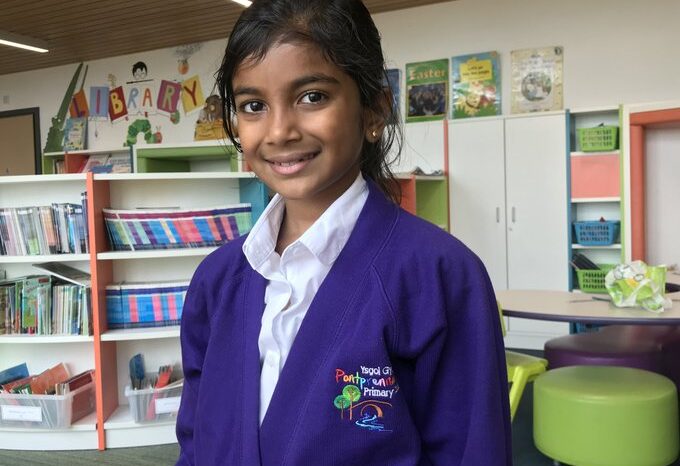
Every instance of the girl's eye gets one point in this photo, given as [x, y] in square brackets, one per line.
[252, 107]
[313, 97]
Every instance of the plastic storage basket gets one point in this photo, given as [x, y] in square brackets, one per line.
[598, 139]
[46, 411]
[131, 230]
[139, 305]
[597, 233]
[592, 281]
[154, 404]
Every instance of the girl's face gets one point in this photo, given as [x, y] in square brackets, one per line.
[300, 123]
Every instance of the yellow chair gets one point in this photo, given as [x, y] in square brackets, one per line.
[522, 368]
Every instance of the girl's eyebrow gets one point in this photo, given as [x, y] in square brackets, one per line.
[297, 83]
[314, 78]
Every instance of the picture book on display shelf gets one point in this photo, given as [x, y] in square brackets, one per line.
[537, 79]
[108, 163]
[427, 85]
[476, 85]
[75, 134]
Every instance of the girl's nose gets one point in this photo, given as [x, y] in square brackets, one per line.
[283, 126]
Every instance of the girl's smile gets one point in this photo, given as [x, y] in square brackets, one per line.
[292, 163]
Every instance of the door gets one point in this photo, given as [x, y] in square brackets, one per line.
[477, 191]
[20, 136]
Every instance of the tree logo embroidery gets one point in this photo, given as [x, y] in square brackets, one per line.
[365, 396]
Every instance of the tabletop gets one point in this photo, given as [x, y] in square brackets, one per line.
[566, 306]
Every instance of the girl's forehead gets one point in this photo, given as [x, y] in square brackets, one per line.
[285, 55]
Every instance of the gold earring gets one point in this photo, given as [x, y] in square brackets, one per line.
[374, 133]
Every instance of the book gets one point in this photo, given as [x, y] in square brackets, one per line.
[94, 161]
[536, 79]
[427, 85]
[45, 382]
[13, 373]
[475, 85]
[65, 272]
[83, 402]
[120, 162]
[75, 134]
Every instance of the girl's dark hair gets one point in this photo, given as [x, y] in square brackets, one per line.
[346, 35]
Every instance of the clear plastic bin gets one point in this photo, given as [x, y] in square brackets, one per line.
[154, 404]
[46, 411]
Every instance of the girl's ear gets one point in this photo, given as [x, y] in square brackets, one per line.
[375, 118]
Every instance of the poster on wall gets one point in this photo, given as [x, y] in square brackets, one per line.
[476, 85]
[392, 83]
[209, 124]
[537, 79]
[427, 85]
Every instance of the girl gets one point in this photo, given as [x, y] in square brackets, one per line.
[343, 330]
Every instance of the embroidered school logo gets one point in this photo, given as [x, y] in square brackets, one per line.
[365, 395]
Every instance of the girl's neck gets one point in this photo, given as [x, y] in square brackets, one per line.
[297, 218]
[300, 214]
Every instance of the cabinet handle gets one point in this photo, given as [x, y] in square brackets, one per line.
[498, 215]
[513, 214]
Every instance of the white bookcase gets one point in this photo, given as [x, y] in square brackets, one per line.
[108, 351]
[160, 346]
[42, 352]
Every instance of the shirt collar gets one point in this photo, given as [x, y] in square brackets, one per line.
[325, 238]
[329, 234]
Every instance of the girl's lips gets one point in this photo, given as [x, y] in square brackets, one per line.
[293, 166]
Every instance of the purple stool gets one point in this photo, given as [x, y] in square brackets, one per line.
[654, 348]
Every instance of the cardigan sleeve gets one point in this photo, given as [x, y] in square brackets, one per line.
[461, 403]
[194, 334]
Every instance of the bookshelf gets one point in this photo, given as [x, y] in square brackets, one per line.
[203, 156]
[159, 346]
[44, 351]
[74, 160]
[184, 176]
[595, 185]
[425, 196]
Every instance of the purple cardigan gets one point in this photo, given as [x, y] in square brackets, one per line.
[399, 361]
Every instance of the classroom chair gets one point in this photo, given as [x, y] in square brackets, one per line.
[522, 369]
[606, 416]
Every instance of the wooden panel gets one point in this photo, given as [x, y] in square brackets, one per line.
[595, 176]
[81, 30]
[102, 274]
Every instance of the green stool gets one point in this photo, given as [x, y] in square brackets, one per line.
[606, 416]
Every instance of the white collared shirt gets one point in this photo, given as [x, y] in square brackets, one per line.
[296, 275]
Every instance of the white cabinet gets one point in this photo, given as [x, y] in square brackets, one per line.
[477, 191]
[508, 200]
